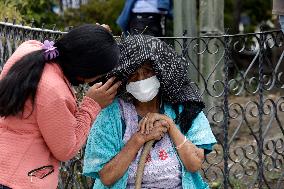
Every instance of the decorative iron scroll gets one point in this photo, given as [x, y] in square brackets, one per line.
[242, 82]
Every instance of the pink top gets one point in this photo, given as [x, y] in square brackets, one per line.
[54, 132]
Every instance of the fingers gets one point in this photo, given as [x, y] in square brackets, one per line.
[154, 124]
[162, 123]
[159, 132]
[148, 126]
[109, 89]
[97, 85]
[160, 129]
[142, 125]
[113, 88]
[108, 84]
[163, 132]
[112, 96]
[151, 120]
[159, 135]
[165, 124]
[105, 26]
[164, 129]
[154, 117]
[156, 134]
[103, 94]
[157, 124]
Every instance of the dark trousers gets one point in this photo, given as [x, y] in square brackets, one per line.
[4, 187]
[148, 24]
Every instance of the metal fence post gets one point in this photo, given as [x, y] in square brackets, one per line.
[227, 59]
[245, 166]
[260, 110]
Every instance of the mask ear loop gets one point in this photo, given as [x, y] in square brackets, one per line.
[161, 102]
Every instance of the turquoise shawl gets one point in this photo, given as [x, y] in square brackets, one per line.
[105, 142]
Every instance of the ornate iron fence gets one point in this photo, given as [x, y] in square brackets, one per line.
[241, 80]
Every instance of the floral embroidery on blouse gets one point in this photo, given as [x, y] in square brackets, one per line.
[163, 154]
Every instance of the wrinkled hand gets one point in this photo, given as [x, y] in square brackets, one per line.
[157, 133]
[104, 94]
[149, 122]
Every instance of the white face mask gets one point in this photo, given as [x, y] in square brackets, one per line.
[144, 90]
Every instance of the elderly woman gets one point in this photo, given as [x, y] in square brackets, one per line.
[159, 104]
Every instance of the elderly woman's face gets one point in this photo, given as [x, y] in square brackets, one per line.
[143, 84]
[145, 72]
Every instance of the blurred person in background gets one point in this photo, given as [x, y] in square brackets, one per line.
[278, 9]
[145, 16]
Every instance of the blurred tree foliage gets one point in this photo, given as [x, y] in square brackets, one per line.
[101, 11]
[42, 12]
[9, 10]
[254, 12]
[38, 10]
[107, 11]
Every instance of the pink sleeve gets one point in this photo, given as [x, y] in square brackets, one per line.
[63, 131]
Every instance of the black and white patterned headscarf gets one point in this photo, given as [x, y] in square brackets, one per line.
[170, 68]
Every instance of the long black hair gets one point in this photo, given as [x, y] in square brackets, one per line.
[86, 51]
[190, 111]
[20, 83]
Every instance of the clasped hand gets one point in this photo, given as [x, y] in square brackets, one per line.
[154, 126]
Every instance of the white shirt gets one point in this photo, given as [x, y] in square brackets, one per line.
[146, 6]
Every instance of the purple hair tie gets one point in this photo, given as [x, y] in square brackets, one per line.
[50, 51]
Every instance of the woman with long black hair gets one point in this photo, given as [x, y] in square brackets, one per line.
[41, 123]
